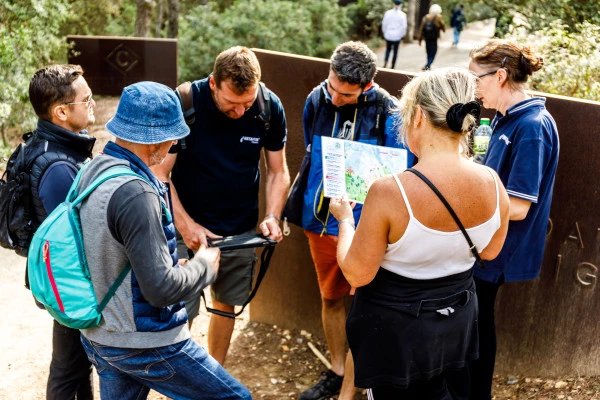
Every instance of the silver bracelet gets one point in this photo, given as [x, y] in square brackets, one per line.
[349, 221]
[274, 216]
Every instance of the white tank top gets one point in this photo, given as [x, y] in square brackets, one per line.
[425, 253]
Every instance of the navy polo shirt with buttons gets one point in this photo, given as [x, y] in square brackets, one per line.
[217, 174]
[523, 150]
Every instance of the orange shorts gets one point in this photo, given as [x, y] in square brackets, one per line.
[332, 283]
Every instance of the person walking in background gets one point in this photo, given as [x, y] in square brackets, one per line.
[431, 25]
[215, 177]
[344, 106]
[143, 341]
[412, 327]
[394, 29]
[63, 102]
[523, 150]
[458, 22]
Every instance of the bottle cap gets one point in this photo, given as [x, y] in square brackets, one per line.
[484, 121]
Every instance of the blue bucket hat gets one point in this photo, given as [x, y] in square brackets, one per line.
[148, 113]
[397, 2]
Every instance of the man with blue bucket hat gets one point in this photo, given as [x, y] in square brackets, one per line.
[143, 341]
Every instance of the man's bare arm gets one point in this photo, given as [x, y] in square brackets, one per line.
[277, 186]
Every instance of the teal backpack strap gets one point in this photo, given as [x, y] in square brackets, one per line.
[72, 194]
[106, 175]
[113, 288]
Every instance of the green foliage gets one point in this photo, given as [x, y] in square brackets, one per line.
[533, 16]
[571, 60]
[30, 39]
[92, 17]
[366, 16]
[122, 21]
[309, 27]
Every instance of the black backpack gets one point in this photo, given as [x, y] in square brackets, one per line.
[430, 32]
[17, 215]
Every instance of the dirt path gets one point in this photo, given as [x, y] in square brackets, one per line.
[271, 361]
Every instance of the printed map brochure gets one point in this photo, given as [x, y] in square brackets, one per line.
[351, 167]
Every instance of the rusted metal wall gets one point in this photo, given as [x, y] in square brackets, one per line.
[110, 63]
[548, 326]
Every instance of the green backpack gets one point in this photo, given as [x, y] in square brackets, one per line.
[57, 266]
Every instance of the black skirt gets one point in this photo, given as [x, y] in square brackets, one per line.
[401, 330]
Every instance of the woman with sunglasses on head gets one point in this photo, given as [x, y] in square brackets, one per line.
[412, 326]
[523, 150]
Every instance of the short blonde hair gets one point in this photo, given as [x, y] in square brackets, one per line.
[435, 92]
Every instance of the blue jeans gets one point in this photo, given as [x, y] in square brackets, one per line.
[456, 37]
[180, 371]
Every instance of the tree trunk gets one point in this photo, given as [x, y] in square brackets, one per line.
[159, 19]
[173, 30]
[143, 18]
[410, 21]
[4, 140]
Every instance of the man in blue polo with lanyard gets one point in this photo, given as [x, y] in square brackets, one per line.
[347, 105]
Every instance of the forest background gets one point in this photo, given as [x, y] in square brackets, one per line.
[33, 34]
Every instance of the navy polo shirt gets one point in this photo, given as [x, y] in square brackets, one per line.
[523, 150]
[217, 170]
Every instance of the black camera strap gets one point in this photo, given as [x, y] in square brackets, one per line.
[241, 242]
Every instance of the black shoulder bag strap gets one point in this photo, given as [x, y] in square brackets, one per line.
[460, 225]
[265, 260]
[379, 128]
[264, 106]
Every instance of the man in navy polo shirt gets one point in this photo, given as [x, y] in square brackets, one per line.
[215, 176]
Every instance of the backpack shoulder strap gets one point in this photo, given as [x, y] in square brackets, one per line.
[113, 288]
[184, 94]
[264, 106]
[381, 100]
[74, 197]
[317, 99]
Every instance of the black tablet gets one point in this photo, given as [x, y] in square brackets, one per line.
[240, 242]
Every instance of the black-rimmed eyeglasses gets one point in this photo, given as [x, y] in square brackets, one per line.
[487, 73]
[494, 71]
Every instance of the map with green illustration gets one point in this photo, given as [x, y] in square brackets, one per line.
[351, 167]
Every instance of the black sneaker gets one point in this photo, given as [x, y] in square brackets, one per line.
[329, 385]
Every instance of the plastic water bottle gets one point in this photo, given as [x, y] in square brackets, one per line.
[481, 139]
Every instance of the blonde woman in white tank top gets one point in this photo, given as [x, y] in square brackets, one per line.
[412, 327]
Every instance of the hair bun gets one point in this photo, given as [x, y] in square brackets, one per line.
[455, 116]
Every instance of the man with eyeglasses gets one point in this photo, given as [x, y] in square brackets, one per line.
[63, 102]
